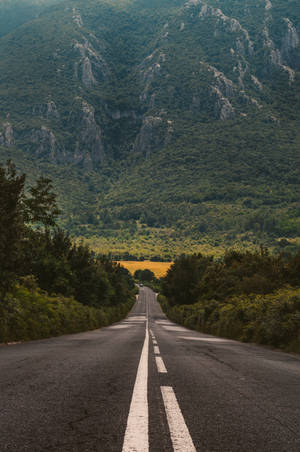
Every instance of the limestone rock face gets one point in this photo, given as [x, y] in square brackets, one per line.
[89, 148]
[223, 108]
[47, 110]
[90, 67]
[44, 143]
[7, 138]
[152, 135]
[108, 84]
[290, 43]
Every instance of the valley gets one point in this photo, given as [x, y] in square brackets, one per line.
[172, 124]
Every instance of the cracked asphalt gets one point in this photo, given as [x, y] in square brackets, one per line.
[73, 393]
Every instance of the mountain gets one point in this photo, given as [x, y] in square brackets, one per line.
[166, 123]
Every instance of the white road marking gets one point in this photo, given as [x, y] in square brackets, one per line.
[180, 436]
[174, 328]
[137, 317]
[136, 322]
[156, 350]
[161, 368]
[164, 322]
[118, 327]
[136, 437]
[205, 339]
[151, 332]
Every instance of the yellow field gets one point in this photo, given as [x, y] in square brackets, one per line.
[158, 268]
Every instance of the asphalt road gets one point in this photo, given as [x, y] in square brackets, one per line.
[146, 384]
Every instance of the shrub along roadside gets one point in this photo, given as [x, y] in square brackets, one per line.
[269, 319]
[32, 314]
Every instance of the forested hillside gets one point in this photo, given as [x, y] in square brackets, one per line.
[158, 121]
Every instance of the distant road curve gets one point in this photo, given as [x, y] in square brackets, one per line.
[146, 384]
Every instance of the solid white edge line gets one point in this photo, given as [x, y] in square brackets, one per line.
[161, 368]
[156, 350]
[180, 436]
[136, 437]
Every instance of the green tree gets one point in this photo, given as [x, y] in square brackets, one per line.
[11, 225]
[145, 275]
[41, 206]
[182, 283]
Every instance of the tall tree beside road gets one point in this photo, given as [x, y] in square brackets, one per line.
[11, 225]
[17, 211]
[32, 245]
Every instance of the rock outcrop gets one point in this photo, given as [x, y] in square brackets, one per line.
[44, 143]
[48, 110]
[91, 66]
[89, 147]
[154, 134]
[7, 138]
[223, 108]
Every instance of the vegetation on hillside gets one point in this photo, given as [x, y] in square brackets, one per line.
[184, 133]
[247, 296]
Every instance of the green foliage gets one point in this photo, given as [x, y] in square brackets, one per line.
[195, 277]
[145, 275]
[17, 210]
[180, 285]
[270, 319]
[231, 181]
[41, 205]
[246, 296]
[30, 313]
[45, 258]
[11, 225]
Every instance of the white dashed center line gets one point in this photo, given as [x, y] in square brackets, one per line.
[180, 435]
[136, 437]
[161, 368]
[156, 350]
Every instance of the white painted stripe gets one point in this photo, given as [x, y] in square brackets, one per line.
[161, 368]
[175, 328]
[136, 437]
[151, 332]
[180, 436]
[136, 322]
[137, 317]
[118, 327]
[205, 339]
[156, 350]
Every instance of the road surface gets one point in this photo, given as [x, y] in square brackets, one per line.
[146, 384]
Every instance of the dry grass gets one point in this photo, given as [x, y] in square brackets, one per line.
[158, 268]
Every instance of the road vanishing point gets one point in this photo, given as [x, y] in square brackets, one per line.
[147, 384]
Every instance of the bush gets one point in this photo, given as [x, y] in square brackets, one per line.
[30, 314]
[272, 319]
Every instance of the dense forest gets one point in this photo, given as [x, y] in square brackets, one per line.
[48, 284]
[250, 296]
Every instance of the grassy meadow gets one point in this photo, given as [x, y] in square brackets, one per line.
[164, 243]
[158, 268]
